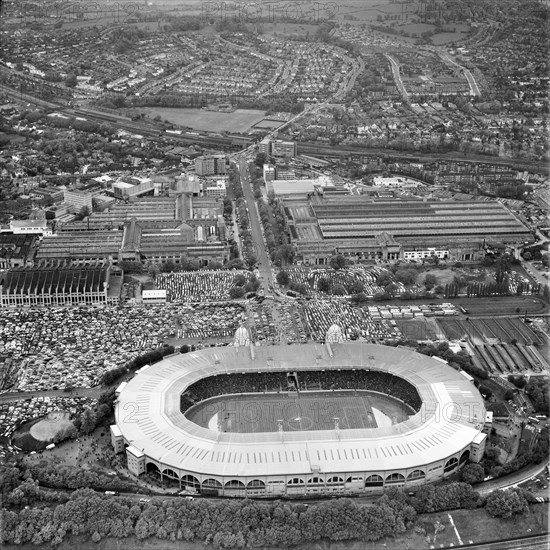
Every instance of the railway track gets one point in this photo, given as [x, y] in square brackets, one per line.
[535, 542]
[307, 148]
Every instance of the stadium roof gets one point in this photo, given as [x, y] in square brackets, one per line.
[148, 415]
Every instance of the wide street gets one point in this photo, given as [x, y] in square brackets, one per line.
[474, 88]
[397, 77]
[264, 264]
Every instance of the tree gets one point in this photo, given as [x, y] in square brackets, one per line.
[71, 81]
[131, 267]
[518, 380]
[384, 279]
[261, 159]
[188, 264]
[88, 421]
[430, 281]
[239, 280]
[356, 287]
[508, 395]
[392, 289]
[9, 478]
[338, 290]
[472, 473]
[505, 504]
[323, 285]
[406, 276]
[236, 292]
[283, 278]
[337, 262]
[285, 254]
[168, 266]
[486, 392]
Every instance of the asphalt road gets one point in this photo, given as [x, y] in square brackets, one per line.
[397, 77]
[474, 88]
[264, 265]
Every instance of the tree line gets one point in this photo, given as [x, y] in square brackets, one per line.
[237, 523]
[148, 358]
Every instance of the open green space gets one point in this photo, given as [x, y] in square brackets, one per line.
[240, 120]
[447, 37]
[502, 305]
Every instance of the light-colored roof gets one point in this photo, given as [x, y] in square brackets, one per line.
[148, 415]
[157, 293]
[28, 223]
[135, 451]
[334, 334]
[115, 430]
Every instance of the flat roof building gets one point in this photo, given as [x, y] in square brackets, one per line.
[391, 229]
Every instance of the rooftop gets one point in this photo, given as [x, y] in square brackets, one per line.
[451, 415]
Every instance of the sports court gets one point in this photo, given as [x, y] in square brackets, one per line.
[290, 411]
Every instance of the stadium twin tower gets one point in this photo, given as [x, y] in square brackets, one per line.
[312, 419]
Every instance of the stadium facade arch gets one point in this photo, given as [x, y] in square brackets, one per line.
[441, 434]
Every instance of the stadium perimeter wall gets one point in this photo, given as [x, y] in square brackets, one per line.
[430, 446]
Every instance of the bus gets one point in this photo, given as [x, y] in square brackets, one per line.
[541, 416]
[533, 419]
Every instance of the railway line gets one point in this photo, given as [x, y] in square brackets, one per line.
[535, 542]
[156, 131]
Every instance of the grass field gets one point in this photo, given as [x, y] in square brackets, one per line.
[502, 305]
[446, 37]
[260, 413]
[241, 120]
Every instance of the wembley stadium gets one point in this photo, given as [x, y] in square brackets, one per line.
[260, 421]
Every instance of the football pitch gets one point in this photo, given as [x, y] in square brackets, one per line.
[290, 411]
[240, 120]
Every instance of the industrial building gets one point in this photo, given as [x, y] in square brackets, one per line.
[54, 285]
[17, 250]
[365, 228]
[146, 229]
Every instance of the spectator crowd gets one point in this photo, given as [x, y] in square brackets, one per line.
[358, 379]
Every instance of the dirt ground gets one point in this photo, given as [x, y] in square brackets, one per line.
[47, 428]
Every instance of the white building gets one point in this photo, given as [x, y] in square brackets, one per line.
[30, 227]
